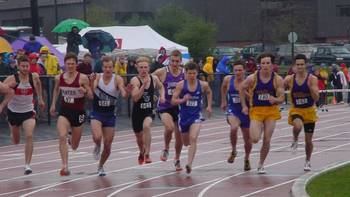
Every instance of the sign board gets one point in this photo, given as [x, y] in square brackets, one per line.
[292, 37]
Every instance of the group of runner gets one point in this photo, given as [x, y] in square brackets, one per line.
[251, 104]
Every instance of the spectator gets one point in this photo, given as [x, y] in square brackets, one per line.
[163, 57]
[251, 66]
[73, 41]
[85, 67]
[156, 64]
[34, 67]
[32, 46]
[321, 86]
[337, 79]
[131, 69]
[98, 64]
[95, 48]
[275, 68]
[208, 68]
[120, 66]
[222, 66]
[345, 70]
[49, 61]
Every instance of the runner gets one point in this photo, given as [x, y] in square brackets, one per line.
[73, 87]
[188, 94]
[21, 111]
[170, 76]
[142, 112]
[235, 117]
[267, 92]
[304, 94]
[106, 88]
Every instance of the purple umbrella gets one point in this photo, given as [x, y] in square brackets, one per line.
[19, 43]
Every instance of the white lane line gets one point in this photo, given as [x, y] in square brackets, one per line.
[201, 194]
[122, 189]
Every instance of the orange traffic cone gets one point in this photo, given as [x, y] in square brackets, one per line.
[334, 101]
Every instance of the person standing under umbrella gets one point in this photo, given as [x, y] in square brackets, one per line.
[73, 41]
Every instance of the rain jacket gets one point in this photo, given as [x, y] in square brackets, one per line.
[221, 67]
[51, 63]
[208, 68]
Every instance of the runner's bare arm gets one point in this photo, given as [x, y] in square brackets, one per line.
[243, 88]
[313, 84]
[39, 90]
[137, 90]
[55, 94]
[287, 81]
[224, 88]
[209, 93]
[160, 73]
[10, 81]
[120, 84]
[8, 92]
[279, 92]
[175, 100]
[85, 83]
[160, 88]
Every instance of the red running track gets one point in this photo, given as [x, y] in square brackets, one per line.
[211, 175]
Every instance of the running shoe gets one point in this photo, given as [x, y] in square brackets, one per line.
[247, 165]
[261, 170]
[64, 172]
[177, 165]
[27, 169]
[164, 155]
[294, 147]
[97, 152]
[101, 171]
[141, 158]
[232, 157]
[148, 159]
[188, 169]
[307, 166]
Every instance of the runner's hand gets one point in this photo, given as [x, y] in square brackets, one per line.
[272, 99]
[53, 110]
[129, 88]
[223, 105]
[245, 110]
[209, 111]
[186, 97]
[82, 90]
[92, 76]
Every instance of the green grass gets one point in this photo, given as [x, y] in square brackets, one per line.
[332, 184]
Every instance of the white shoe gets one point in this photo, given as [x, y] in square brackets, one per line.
[307, 166]
[294, 147]
[101, 171]
[27, 169]
[261, 170]
[96, 152]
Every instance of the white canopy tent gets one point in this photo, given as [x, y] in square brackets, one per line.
[135, 38]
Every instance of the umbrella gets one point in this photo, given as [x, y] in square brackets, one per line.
[5, 47]
[66, 25]
[106, 40]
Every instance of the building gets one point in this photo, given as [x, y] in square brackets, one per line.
[238, 21]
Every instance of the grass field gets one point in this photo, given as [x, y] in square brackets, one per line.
[332, 184]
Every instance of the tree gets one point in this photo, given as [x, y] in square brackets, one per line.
[98, 16]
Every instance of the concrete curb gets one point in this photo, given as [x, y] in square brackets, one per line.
[299, 186]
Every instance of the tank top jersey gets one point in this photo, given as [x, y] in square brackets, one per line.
[169, 84]
[262, 91]
[72, 97]
[145, 104]
[191, 109]
[105, 96]
[301, 96]
[234, 100]
[23, 100]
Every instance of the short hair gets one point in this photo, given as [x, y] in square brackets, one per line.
[263, 55]
[176, 53]
[87, 54]
[300, 57]
[143, 59]
[239, 62]
[107, 59]
[22, 58]
[71, 55]
[191, 66]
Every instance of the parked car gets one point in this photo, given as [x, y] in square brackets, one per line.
[221, 51]
[254, 50]
[284, 52]
[330, 55]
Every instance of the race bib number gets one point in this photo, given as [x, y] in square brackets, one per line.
[170, 92]
[236, 100]
[301, 101]
[192, 103]
[104, 103]
[263, 97]
[146, 105]
[81, 118]
[68, 100]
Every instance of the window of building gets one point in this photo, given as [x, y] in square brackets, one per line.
[343, 10]
[123, 17]
[21, 22]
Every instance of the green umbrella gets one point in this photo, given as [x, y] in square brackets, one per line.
[66, 25]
